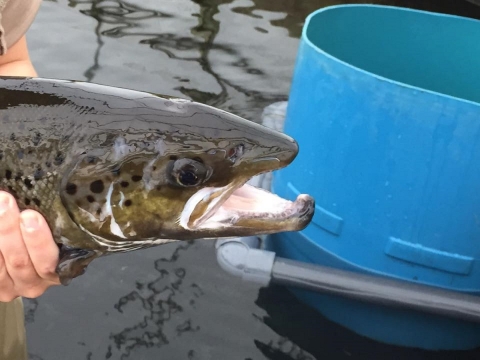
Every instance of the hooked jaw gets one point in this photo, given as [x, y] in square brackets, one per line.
[245, 210]
[239, 209]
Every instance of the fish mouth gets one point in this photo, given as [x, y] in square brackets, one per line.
[241, 209]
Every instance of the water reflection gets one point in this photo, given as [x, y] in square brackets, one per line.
[155, 304]
[118, 19]
[295, 12]
[202, 42]
[113, 18]
[199, 42]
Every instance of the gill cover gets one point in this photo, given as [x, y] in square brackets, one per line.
[138, 198]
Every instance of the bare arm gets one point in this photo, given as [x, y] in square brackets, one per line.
[28, 254]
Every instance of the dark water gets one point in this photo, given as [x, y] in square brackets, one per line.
[174, 302]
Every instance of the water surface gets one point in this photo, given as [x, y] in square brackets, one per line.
[174, 302]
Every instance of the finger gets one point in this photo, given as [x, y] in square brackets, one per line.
[12, 247]
[7, 291]
[43, 251]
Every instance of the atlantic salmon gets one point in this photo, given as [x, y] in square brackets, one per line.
[115, 170]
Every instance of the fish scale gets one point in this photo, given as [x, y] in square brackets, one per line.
[39, 194]
[30, 180]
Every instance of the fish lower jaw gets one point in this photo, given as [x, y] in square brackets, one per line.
[289, 216]
[258, 210]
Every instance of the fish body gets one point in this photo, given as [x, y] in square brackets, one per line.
[115, 170]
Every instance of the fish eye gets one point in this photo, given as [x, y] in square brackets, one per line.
[187, 176]
[188, 172]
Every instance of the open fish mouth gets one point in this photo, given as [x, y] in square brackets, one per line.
[247, 209]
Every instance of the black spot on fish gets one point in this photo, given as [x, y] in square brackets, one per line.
[128, 202]
[99, 211]
[18, 177]
[173, 157]
[12, 137]
[158, 187]
[136, 178]
[48, 164]
[97, 186]
[28, 183]
[59, 159]
[36, 201]
[8, 174]
[124, 184]
[27, 201]
[71, 189]
[38, 174]
[90, 199]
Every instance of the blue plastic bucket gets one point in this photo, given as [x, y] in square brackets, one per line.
[385, 106]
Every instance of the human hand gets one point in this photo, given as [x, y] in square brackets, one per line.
[28, 254]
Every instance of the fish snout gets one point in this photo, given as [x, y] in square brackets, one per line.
[286, 148]
[274, 156]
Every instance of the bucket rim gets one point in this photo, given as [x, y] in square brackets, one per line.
[306, 39]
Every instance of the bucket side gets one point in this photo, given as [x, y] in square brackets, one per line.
[394, 169]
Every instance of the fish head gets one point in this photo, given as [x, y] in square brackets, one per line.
[184, 180]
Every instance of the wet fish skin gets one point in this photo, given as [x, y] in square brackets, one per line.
[113, 169]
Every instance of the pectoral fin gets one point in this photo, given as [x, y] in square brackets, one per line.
[73, 262]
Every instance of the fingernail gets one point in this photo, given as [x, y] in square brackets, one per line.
[30, 221]
[5, 203]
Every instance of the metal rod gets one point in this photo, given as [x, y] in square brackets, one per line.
[377, 290]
